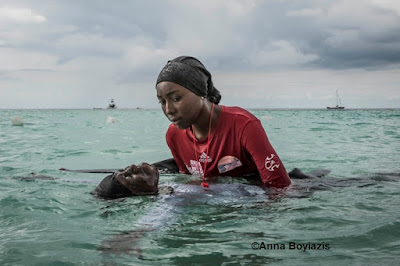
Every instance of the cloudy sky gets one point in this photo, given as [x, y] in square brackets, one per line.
[269, 54]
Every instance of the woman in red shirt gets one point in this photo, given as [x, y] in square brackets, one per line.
[207, 139]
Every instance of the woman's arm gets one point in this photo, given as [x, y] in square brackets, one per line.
[171, 138]
[269, 165]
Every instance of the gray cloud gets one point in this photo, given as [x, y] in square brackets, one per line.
[332, 34]
[128, 42]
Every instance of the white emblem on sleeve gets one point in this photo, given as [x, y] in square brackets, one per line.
[195, 168]
[270, 164]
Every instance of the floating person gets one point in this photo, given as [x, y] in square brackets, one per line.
[142, 179]
[123, 183]
[207, 139]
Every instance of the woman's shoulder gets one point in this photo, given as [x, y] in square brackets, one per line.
[172, 129]
[174, 132]
[237, 113]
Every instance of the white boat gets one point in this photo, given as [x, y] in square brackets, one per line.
[112, 105]
[338, 102]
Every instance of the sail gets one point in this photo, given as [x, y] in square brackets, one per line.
[338, 102]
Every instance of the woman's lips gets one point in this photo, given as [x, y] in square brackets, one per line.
[175, 120]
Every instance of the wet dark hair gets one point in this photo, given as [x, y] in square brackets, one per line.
[190, 73]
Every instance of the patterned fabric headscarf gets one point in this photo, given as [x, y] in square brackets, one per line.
[190, 73]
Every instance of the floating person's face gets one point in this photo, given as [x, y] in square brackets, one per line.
[181, 106]
[140, 180]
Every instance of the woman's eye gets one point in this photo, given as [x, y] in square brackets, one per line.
[176, 99]
[162, 102]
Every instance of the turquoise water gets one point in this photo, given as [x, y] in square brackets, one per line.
[51, 222]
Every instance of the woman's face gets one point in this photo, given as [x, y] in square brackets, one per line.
[181, 106]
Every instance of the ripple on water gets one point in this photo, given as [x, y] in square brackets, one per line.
[8, 170]
[66, 153]
[324, 129]
[115, 152]
[378, 236]
[369, 207]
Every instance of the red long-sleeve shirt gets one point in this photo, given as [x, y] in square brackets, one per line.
[238, 146]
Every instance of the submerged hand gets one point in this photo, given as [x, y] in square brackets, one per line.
[140, 180]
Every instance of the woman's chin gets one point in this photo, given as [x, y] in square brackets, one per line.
[180, 125]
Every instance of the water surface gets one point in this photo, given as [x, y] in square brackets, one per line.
[50, 222]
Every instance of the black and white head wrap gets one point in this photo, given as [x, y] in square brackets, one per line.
[190, 73]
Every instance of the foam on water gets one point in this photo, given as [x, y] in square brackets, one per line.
[17, 121]
[111, 120]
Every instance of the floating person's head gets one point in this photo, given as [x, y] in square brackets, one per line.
[182, 87]
[140, 179]
[134, 180]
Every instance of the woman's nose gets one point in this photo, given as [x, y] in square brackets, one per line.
[169, 108]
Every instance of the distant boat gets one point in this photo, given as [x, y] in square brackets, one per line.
[338, 103]
[112, 105]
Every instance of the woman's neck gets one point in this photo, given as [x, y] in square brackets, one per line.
[201, 126]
